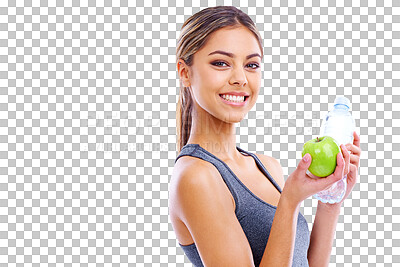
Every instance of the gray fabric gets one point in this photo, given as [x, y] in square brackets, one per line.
[254, 215]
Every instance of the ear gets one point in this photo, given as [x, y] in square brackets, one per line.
[183, 72]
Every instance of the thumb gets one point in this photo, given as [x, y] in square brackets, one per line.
[304, 164]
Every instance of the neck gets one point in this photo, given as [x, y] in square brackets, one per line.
[214, 135]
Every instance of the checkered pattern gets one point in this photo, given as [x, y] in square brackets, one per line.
[87, 122]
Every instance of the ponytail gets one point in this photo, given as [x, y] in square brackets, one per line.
[183, 116]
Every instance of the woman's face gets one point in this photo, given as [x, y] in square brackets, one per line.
[225, 76]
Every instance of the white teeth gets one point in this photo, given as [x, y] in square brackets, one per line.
[233, 98]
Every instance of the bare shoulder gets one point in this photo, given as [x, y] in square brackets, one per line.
[187, 169]
[201, 201]
[186, 165]
[274, 168]
[191, 175]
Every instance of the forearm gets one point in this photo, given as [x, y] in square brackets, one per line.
[322, 235]
[279, 249]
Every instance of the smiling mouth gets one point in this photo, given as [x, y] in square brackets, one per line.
[234, 99]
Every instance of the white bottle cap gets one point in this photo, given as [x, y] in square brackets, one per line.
[341, 100]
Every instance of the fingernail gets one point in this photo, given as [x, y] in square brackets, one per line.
[306, 157]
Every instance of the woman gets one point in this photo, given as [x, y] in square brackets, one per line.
[230, 207]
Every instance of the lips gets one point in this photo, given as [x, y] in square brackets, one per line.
[236, 93]
[234, 100]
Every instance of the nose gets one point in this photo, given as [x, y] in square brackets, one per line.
[238, 77]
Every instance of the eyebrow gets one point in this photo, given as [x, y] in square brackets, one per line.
[232, 55]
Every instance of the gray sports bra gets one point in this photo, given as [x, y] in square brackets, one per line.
[254, 215]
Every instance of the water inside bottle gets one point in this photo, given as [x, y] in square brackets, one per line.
[341, 137]
[339, 124]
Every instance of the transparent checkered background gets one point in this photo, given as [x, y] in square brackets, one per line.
[87, 122]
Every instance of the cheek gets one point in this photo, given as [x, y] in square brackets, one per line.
[215, 79]
[203, 84]
[255, 83]
[207, 77]
[208, 82]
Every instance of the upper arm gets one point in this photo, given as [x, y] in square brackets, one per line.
[274, 168]
[210, 218]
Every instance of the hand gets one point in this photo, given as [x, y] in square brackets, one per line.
[352, 173]
[300, 185]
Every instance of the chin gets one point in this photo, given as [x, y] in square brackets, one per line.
[233, 119]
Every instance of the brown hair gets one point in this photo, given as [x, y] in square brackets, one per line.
[194, 35]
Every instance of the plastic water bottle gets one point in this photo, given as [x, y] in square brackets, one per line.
[340, 125]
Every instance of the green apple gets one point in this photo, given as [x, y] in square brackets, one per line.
[323, 153]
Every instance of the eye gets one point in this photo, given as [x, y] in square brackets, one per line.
[255, 66]
[218, 63]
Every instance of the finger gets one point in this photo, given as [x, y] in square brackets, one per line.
[339, 171]
[309, 174]
[356, 140]
[352, 176]
[354, 159]
[304, 164]
[353, 149]
[346, 156]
